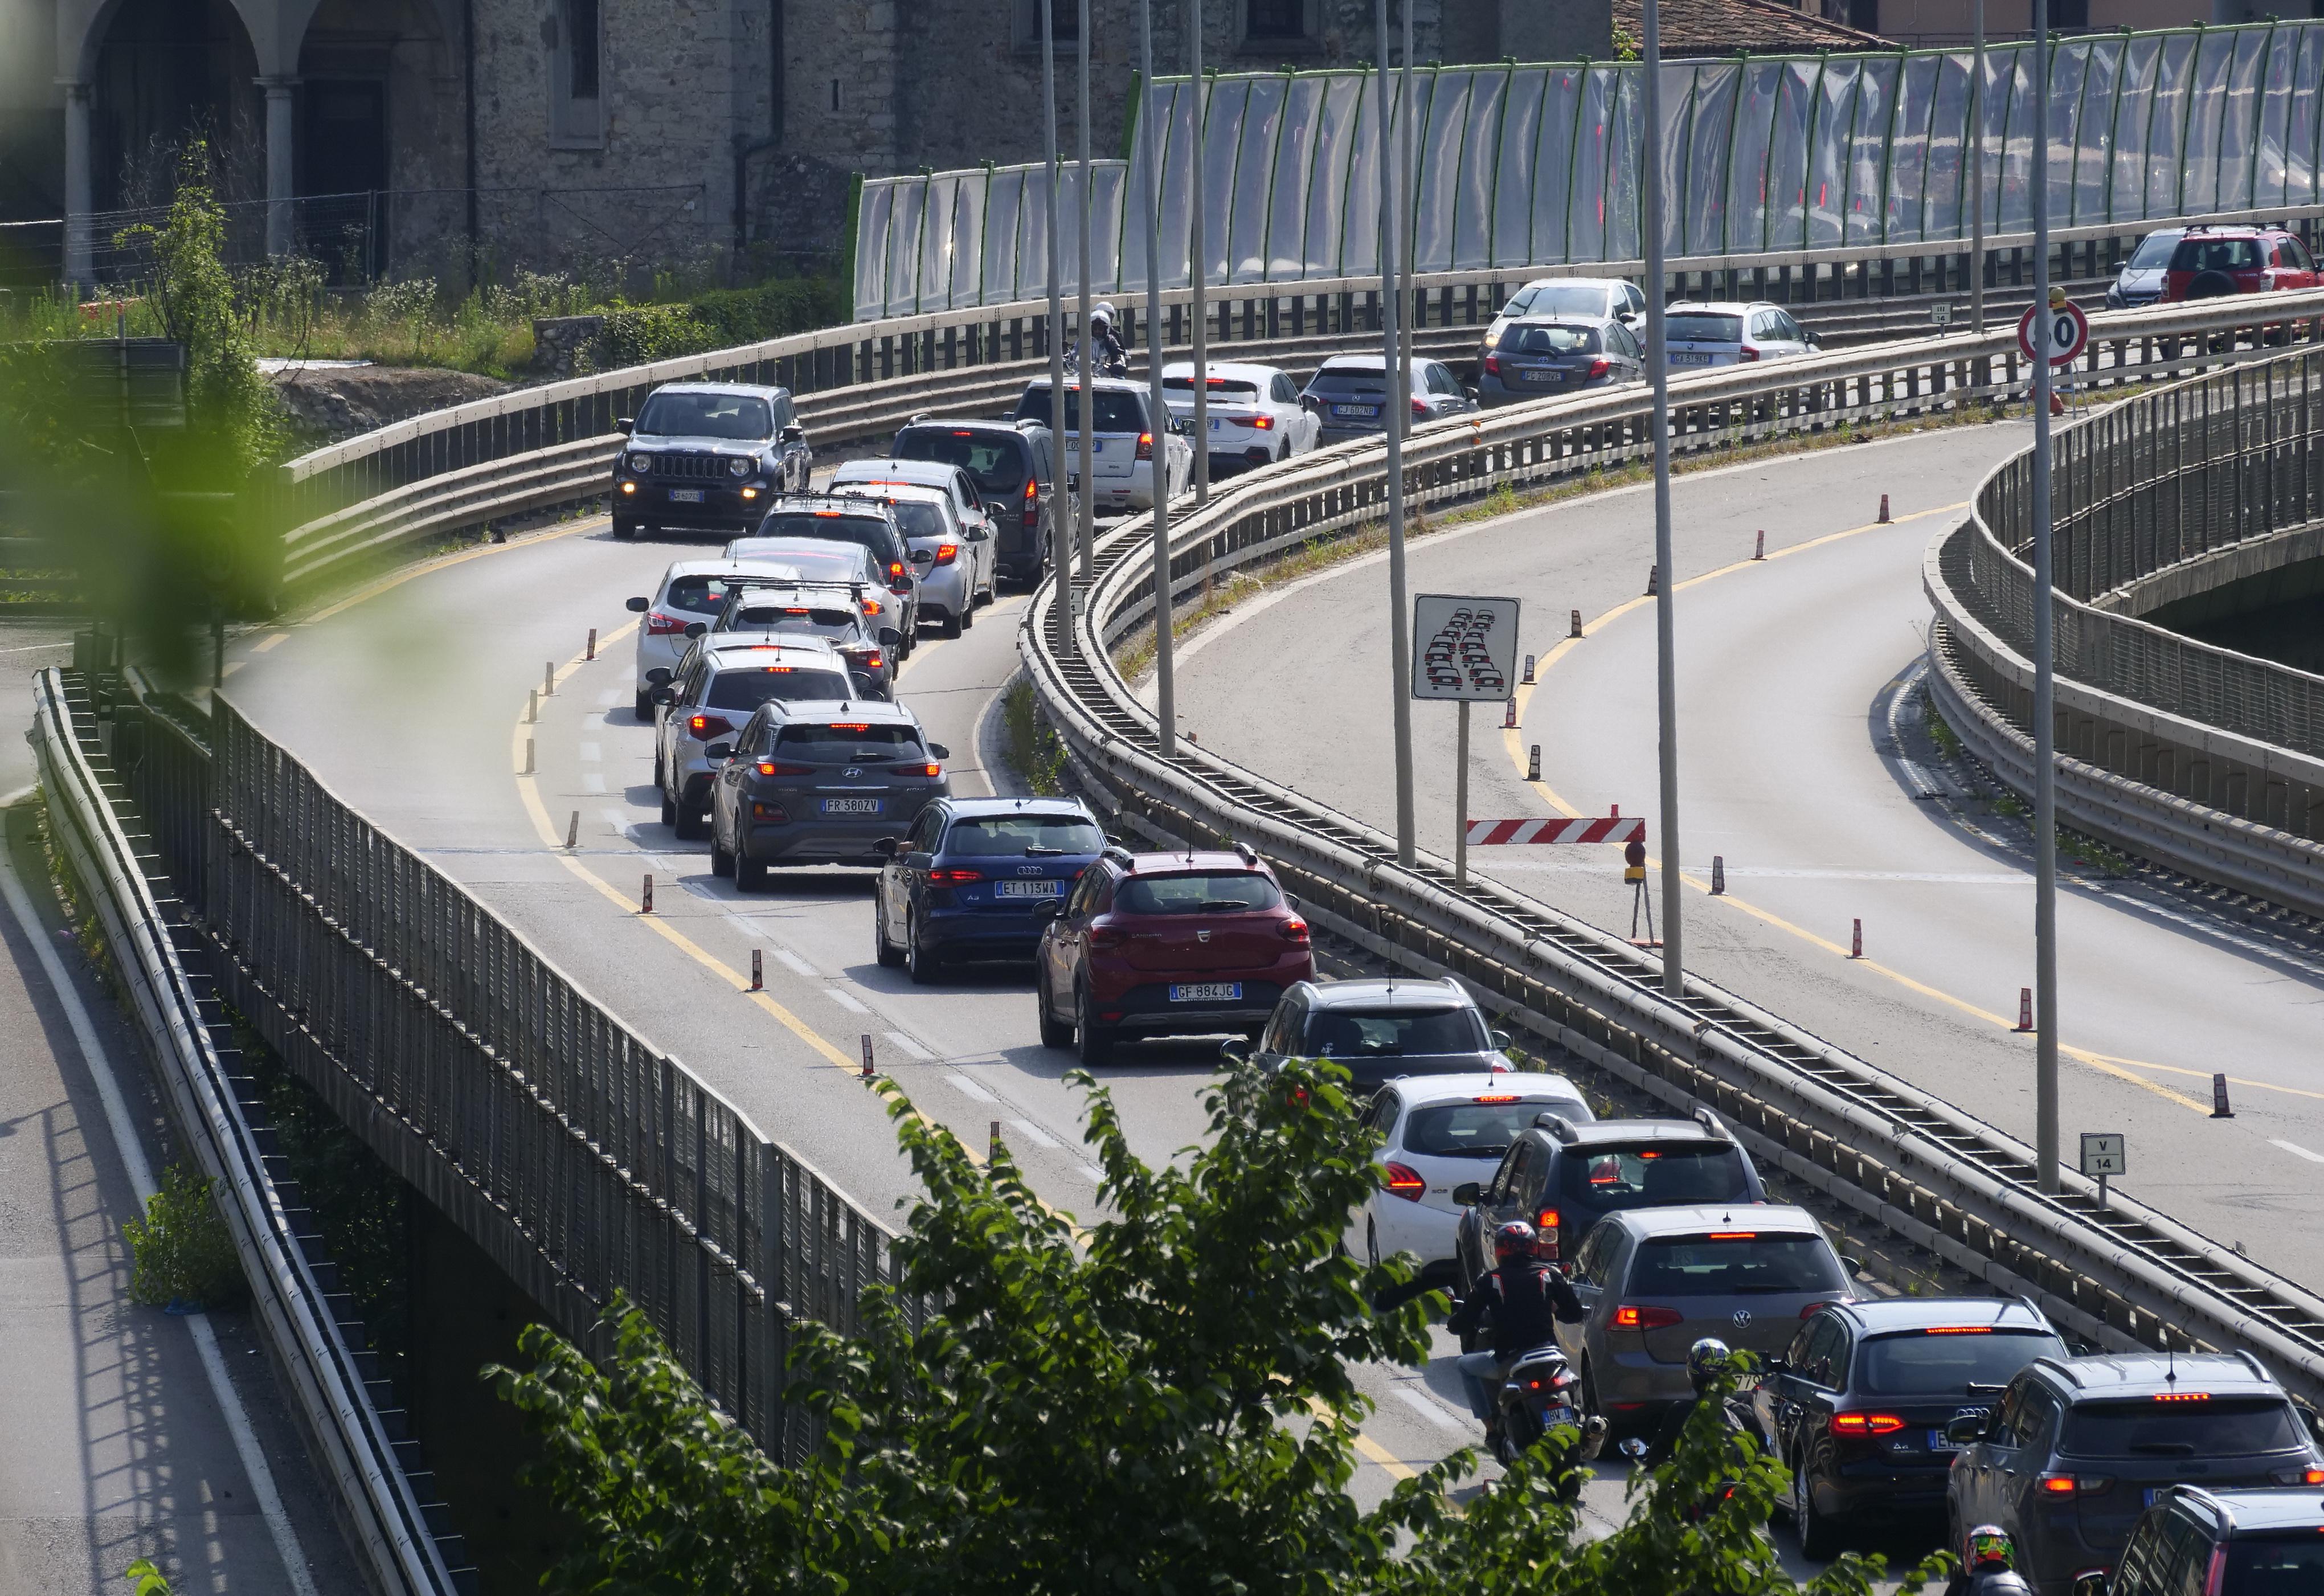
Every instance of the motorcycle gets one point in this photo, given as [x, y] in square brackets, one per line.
[1540, 1395]
[1107, 365]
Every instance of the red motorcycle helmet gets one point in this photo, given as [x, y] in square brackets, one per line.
[1513, 1240]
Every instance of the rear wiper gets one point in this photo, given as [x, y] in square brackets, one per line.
[1225, 905]
[1977, 1387]
[2164, 1448]
[1034, 850]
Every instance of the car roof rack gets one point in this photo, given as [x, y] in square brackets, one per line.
[1246, 853]
[2254, 1364]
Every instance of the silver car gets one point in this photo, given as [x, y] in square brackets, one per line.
[1731, 333]
[691, 590]
[825, 610]
[1656, 1280]
[1592, 298]
[953, 558]
[2144, 276]
[719, 682]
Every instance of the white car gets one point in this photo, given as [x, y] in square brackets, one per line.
[954, 559]
[1439, 1132]
[1725, 332]
[1122, 445]
[690, 590]
[1255, 414]
[1594, 298]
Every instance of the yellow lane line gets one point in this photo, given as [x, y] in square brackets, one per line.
[269, 642]
[1394, 1467]
[1514, 743]
[397, 579]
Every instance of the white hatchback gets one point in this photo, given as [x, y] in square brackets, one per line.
[691, 590]
[1254, 412]
[1730, 333]
[1438, 1132]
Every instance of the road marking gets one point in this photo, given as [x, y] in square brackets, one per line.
[619, 820]
[2297, 1152]
[1037, 1136]
[230, 666]
[962, 1084]
[268, 643]
[1429, 1409]
[609, 697]
[910, 1045]
[1371, 1450]
[591, 781]
[591, 753]
[844, 1000]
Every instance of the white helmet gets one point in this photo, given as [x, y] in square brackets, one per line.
[1102, 316]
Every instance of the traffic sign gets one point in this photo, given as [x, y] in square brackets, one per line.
[1490, 833]
[2104, 1154]
[1463, 647]
[2070, 330]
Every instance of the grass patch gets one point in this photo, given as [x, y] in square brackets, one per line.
[1034, 750]
[1948, 741]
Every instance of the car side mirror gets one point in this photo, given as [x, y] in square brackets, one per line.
[697, 628]
[1967, 1430]
[886, 847]
[938, 751]
[794, 434]
[1467, 1192]
[1048, 909]
[1501, 1043]
[625, 424]
[891, 638]
[659, 675]
[1854, 1266]
[664, 695]
[639, 606]
[1631, 1447]
[922, 557]
[1235, 1050]
[1814, 347]
[1471, 392]
[2091, 1581]
[719, 750]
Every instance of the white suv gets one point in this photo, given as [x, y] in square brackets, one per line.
[1439, 1132]
[1729, 332]
[1123, 444]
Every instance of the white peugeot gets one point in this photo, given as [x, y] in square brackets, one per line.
[1438, 1132]
[1254, 412]
[691, 590]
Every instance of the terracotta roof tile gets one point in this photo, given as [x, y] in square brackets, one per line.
[1695, 28]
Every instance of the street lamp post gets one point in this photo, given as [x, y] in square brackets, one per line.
[1406, 312]
[1650, 224]
[2045, 720]
[1399, 620]
[1149, 206]
[1083, 376]
[1061, 548]
[1197, 255]
[1977, 176]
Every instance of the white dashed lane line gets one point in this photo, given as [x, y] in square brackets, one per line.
[845, 1000]
[968, 1088]
[2297, 1152]
[1428, 1408]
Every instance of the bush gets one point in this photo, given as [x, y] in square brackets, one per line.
[640, 334]
[182, 1251]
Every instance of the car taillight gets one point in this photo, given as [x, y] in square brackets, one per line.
[954, 878]
[1263, 423]
[1295, 933]
[1866, 1424]
[1419, 407]
[1546, 1221]
[919, 768]
[1102, 937]
[707, 725]
[2218, 1573]
[946, 553]
[1032, 501]
[660, 626]
[870, 605]
[2311, 1476]
[2062, 1486]
[1599, 368]
[1747, 353]
[1405, 1182]
[895, 571]
[1146, 446]
[769, 768]
[1492, 366]
[1631, 1317]
[775, 812]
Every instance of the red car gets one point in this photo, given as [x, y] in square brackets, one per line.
[2212, 262]
[1155, 944]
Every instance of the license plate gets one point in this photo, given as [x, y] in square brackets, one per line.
[1690, 360]
[686, 495]
[1937, 1443]
[1355, 410]
[1540, 377]
[1207, 991]
[1028, 888]
[850, 806]
[1216, 423]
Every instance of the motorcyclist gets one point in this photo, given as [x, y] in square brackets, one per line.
[1107, 356]
[1518, 1306]
[1706, 1360]
[1985, 1569]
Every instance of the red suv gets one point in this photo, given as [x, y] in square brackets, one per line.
[2212, 262]
[1167, 944]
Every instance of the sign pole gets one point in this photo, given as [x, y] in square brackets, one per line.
[1399, 634]
[2045, 720]
[1197, 255]
[1061, 548]
[1460, 804]
[1149, 207]
[1650, 223]
[1977, 176]
[1084, 378]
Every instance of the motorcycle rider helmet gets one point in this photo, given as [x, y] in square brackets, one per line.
[1513, 1240]
[1989, 1548]
[1102, 316]
[1706, 1359]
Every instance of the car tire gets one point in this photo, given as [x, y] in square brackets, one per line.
[967, 617]
[950, 627]
[1055, 1032]
[1818, 1543]
[750, 875]
[686, 824]
[922, 962]
[1094, 1042]
[721, 862]
[889, 954]
[625, 527]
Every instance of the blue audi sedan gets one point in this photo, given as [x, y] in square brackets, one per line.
[970, 879]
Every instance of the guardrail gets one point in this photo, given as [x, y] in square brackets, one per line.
[2192, 755]
[2123, 1274]
[580, 1158]
[327, 1371]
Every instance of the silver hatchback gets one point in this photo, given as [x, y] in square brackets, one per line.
[1656, 1280]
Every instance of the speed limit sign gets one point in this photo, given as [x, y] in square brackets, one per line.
[2069, 329]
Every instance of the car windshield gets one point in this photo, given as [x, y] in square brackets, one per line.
[1005, 836]
[2152, 252]
[872, 531]
[2192, 1425]
[839, 734]
[1478, 1129]
[920, 519]
[1201, 892]
[1522, 340]
[1559, 299]
[700, 596]
[1217, 387]
[1947, 1362]
[1116, 412]
[2282, 1564]
[1393, 1033]
[747, 686]
[737, 416]
[2198, 254]
[998, 465]
[1704, 327]
[1655, 1175]
[1739, 1265]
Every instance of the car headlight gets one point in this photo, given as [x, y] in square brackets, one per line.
[740, 467]
[2113, 297]
[641, 463]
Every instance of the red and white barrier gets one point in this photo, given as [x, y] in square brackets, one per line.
[1485, 833]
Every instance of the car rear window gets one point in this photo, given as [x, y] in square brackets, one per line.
[1520, 339]
[831, 526]
[770, 617]
[2216, 254]
[920, 519]
[2152, 251]
[1655, 1175]
[1949, 1362]
[1201, 892]
[1004, 836]
[827, 563]
[1559, 299]
[1742, 1264]
[737, 416]
[2281, 1563]
[1116, 412]
[1393, 1033]
[1346, 380]
[700, 596]
[847, 734]
[999, 463]
[1478, 1129]
[1218, 387]
[746, 687]
[2189, 1424]
[1704, 327]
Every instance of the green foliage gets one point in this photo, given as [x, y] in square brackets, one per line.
[720, 319]
[1035, 751]
[182, 1251]
[1163, 1402]
[147, 1578]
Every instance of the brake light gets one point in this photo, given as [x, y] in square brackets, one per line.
[2216, 1575]
[1294, 932]
[2308, 1476]
[1264, 423]
[851, 725]
[954, 878]
[918, 769]
[705, 725]
[769, 768]
[1032, 501]
[946, 553]
[1599, 368]
[1631, 1317]
[963, 432]
[1734, 1235]
[1545, 1221]
[1500, 1097]
[1957, 1330]
[1146, 446]
[894, 570]
[1492, 366]
[1405, 1183]
[2057, 1485]
[1419, 407]
[1554, 1382]
[1102, 937]
[1747, 353]
[2184, 1397]
[1866, 1424]
[871, 606]
[660, 626]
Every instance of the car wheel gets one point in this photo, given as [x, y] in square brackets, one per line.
[1055, 1032]
[1817, 1542]
[950, 627]
[721, 862]
[645, 708]
[967, 617]
[668, 812]
[688, 824]
[624, 528]
[1095, 1042]
[922, 962]
[887, 952]
[750, 875]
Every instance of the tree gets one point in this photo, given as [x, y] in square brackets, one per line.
[1162, 1403]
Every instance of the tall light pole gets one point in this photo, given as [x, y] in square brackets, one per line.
[1400, 617]
[2045, 719]
[1085, 376]
[1198, 264]
[1977, 175]
[1650, 225]
[1149, 207]
[1406, 314]
[1061, 548]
